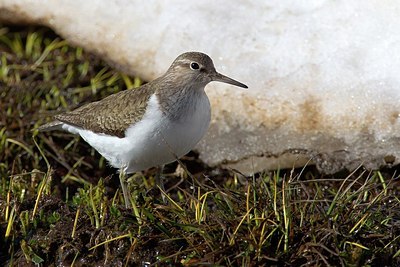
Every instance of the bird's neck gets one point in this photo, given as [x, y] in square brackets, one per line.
[180, 101]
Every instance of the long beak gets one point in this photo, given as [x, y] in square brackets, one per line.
[218, 77]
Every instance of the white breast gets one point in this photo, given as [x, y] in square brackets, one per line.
[154, 141]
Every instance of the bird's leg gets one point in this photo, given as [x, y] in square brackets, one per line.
[125, 192]
[160, 182]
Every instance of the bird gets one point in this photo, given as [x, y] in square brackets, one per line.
[152, 125]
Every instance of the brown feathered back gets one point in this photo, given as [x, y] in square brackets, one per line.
[113, 114]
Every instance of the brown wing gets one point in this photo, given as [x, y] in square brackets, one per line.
[113, 114]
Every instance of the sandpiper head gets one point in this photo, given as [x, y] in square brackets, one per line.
[198, 68]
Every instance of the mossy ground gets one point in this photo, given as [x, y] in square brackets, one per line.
[60, 204]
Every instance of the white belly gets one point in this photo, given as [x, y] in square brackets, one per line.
[154, 141]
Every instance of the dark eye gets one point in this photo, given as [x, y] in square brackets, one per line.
[194, 66]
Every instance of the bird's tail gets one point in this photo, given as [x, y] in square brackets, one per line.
[54, 125]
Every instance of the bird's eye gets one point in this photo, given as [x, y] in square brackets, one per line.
[194, 66]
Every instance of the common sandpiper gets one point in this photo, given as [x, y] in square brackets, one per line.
[152, 125]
